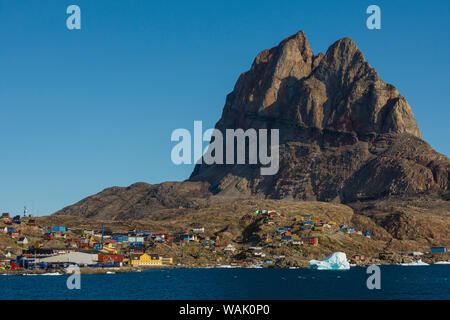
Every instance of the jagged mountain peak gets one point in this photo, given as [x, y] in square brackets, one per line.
[338, 91]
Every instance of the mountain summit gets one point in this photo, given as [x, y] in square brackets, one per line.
[338, 91]
[345, 135]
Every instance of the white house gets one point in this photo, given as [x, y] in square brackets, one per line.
[89, 232]
[198, 230]
[22, 240]
[230, 247]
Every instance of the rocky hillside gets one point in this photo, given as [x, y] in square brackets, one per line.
[395, 224]
[139, 200]
[345, 135]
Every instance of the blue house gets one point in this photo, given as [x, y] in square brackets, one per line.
[136, 245]
[17, 220]
[438, 249]
[120, 238]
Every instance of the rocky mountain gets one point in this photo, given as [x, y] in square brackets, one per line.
[345, 135]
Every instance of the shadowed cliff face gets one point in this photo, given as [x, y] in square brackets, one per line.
[345, 135]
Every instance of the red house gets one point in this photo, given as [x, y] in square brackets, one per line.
[110, 258]
[48, 236]
[314, 241]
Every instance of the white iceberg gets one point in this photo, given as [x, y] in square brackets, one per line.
[51, 274]
[415, 263]
[335, 261]
[442, 262]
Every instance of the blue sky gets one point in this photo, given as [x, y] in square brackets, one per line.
[87, 109]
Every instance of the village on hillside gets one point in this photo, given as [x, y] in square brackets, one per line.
[269, 239]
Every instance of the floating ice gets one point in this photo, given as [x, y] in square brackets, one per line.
[335, 261]
[51, 274]
[415, 263]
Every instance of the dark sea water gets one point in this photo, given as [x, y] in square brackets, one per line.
[427, 282]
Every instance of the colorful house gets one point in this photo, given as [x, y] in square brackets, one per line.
[17, 220]
[110, 258]
[145, 260]
[120, 238]
[136, 239]
[312, 241]
[22, 240]
[57, 229]
[358, 257]
[438, 249]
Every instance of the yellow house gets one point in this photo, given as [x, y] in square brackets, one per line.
[38, 245]
[167, 260]
[109, 249]
[145, 260]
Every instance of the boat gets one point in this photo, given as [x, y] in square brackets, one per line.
[442, 262]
